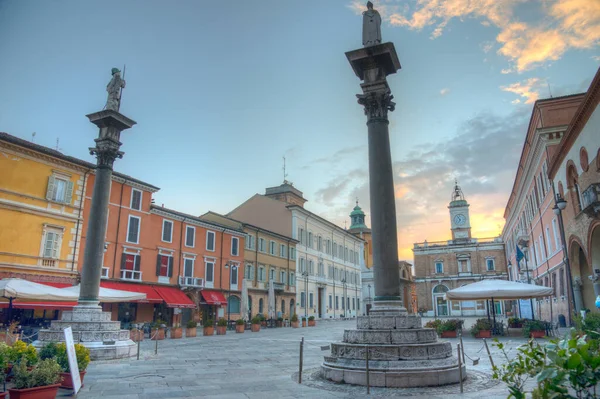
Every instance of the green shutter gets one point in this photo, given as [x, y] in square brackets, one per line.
[123, 260]
[158, 263]
[51, 186]
[69, 193]
[170, 266]
[138, 258]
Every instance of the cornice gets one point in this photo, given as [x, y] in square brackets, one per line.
[195, 222]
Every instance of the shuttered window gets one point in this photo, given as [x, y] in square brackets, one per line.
[51, 246]
[167, 231]
[190, 236]
[164, 266]
[59, 189]
[133, 230]
[209, 271]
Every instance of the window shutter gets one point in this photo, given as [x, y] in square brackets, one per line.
[55, 247]
[123, 260]
[170, 266]
[51, 187]
[158, 264]
[69, 193]
[137, 262]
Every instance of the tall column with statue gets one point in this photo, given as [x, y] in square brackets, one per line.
[401, 352]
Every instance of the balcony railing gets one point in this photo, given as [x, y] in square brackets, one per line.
[278, 286]
[191, 282]
[49, 262]
[132, 275]
[591, 199]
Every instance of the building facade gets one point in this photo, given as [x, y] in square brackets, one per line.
[574, 170]
[445, 265]
[328, 258]
[531, 223]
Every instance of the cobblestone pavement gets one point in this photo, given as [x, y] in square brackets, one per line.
[259, 365]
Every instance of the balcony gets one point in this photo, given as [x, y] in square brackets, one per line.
[590, 199]
[191, 282]
[49, 262]
[131, 275]
[523, 238]
[278, 286]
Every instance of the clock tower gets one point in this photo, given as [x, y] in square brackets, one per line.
[460, 224]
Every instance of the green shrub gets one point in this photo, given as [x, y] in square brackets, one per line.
[512, 321]
[256, 320]
[222, 323]
[81, 353]
[311, 318]
[208, 323]
[280, 319]
[158, 323]
[49, 351]
[450, 325]
[294, 318]
[21, 351]
[5, 355]
[591, 322]
[304, 319]
[240, 322]
[191, 324]
[533, 325]
[481, 325]
[46, 372]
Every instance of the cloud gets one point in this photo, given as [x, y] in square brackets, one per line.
[596, 58]
[562, 25]
[483, 154]
[444, 91]
[487, 46]
[528, 89]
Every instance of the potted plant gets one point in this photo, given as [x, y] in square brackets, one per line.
[240, 326]
[21, 351]
[435, 324]
[295, 321]
[263, 320]
[83, 360]
[221, 327]
[304, 322]
[2, 382]
[176, 331]
[158, 330]
[41, 382]
[515, 322]
[256, 324]
[449, 328]
[280, 322]
[136, 334]
[534, 329]
[190, 329]
[311, 321]
[482, 329]
[209, 328]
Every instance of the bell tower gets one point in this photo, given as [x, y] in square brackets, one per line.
[460, 223]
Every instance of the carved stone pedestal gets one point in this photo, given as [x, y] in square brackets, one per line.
[93, 328]
[402, 354]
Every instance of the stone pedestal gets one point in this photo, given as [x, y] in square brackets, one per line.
[402, 354]
[93, 328]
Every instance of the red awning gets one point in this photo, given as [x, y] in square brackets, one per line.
[213, 297]
[151, 295]
[174, 297]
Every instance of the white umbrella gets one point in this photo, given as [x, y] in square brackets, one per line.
[244, 305]
[498, 289]
[109, 295]
[16, 288]
[271, 300]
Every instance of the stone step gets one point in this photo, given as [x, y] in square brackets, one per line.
[52, 335]
[85, 315]
[86, 326]
[388, 322]
[382, 336]
[437, 350]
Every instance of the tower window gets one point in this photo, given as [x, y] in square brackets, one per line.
[439, 267]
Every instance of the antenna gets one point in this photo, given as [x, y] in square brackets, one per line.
[284, 172]
[32, 137]
[57, 142]
[550, 91]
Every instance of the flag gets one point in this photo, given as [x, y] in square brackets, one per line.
[520, 254]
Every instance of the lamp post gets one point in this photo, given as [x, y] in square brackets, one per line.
[369, 298]
[526, 252]
[559, 205]
[305, 275]
[344, 294]
[232, 268]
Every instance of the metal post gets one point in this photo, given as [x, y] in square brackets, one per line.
[300, 365]
[156, 342]
[462, 345]
[567, 262]
[529, 282]
[460, 375]
[488, 352]
[138, 346]
[367, 371]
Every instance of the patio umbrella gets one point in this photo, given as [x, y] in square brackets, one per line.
[271, 300]
[109, 295]
[244, 304]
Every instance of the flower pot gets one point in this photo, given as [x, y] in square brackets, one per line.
[312, 323]
[263, 323]
[239, 328]
[158, 334]
[45, 392]
[484, 334]
[449, 334]
[221, 330]
[176, 333]
[303, 323]
[255, 327]
[295, 324]
[537, 334]
[208, 331]
[136, 335]
[67, 381]
[279, 323]
[190, 332]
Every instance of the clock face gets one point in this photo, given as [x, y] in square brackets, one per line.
[460, 219]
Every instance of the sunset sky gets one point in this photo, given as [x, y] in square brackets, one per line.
[223, 90]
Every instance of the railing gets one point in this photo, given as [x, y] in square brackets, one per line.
[278, 286]
[591, 198]
[185, 281]
[49, 262]
[132, 275]
[434, 244]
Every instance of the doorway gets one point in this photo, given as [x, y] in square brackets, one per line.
[440, 304]
[321, 293]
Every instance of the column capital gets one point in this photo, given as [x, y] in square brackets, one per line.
[106, 152]
[377, 104]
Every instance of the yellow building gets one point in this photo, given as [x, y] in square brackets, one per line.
[40, 211]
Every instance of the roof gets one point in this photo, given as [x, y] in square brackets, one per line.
[286, 187]
[264, 212]
[194, 218]
[335, 226]
[59, 155]
[218, 218]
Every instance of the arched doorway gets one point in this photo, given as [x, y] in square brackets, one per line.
[581, 270]
[292, 308]
[595, 260]
[250, 306]
[440, 304]
[282, 307]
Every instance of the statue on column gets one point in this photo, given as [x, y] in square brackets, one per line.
[371, 26]
[114, 91]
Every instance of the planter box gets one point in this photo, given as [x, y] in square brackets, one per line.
[176, 333]
[208, 331]
[295, 324]
[158, 334]
[3, 394]
[239, 328]
[537, 334]
[45, 392]
[484, 334]
[67, 381]
[221, 330]
[449, 334]
[191, 332]
[303, 323]
[255, 327]
[136, 335]
[516, 325]
[312, 323]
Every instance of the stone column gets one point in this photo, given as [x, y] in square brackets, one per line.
[372, 65]
[578, 297]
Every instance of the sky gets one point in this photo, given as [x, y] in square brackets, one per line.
[222, 91]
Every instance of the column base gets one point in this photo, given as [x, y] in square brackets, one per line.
[388, 307]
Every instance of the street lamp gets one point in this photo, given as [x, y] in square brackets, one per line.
[344, 294]
[232, 268]
[525, 246]
[559, 206]
[305, 275]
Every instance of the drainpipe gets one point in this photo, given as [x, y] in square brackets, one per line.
[222, 265]
[180, 249]
[82, 195]
[117, 235]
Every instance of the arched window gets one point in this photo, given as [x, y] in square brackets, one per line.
[282, 306]
[233, 302]
[440, 289]
[260, 306]
[573, 186]
[250, 303]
